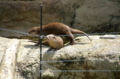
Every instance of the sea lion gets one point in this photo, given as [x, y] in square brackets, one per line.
[55, 42]
[57, 29]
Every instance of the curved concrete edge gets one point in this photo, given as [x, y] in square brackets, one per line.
[7, 66]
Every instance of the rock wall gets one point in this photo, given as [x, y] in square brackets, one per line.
[22, 15]
[87, 15]
[98, 16]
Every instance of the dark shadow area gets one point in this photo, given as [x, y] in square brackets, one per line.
[51, 49]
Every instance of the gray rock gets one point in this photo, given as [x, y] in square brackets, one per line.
[22, 15]
[98, 16]
[86, 15]
[98, 59]
[3, 45]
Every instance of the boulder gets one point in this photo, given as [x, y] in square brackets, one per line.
[98, 16]
[98, 59]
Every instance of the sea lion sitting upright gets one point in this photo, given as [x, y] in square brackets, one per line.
[55, 42]
[57, 29]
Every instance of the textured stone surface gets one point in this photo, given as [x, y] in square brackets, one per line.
[87, 15]
[18, 16]
[22, 15]
[8, 63]
[98, 16]
[3, 45]
[98, 59]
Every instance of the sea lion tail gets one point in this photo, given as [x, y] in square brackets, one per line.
[75, 31]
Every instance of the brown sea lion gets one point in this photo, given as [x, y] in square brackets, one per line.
[55, 42]
[57, 29]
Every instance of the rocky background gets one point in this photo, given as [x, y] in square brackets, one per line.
[101, 57]
[88, 15]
